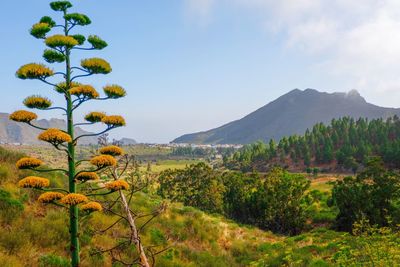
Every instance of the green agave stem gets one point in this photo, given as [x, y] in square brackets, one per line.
[73, 212]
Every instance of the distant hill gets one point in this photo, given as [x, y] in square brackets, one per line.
[127, 141]
[14, 132]
[292, 113]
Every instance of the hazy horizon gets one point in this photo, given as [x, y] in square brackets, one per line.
[193, 65]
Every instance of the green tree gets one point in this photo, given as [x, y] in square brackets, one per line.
[371, 195]
[60, 48]
[239, 188]
[280, 202]
[315, 171]
[197, 186]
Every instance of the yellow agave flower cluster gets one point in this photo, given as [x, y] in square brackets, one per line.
[37, 102]
[23, 116]
[70, 200]
[40, 29]
[59, 40]
[28, 163]
[96, 65]
[111, 150]
[95, 116]
[50, 197]
[40, 25]
[34, 71]
[74, 199]
[85, 91]
[114, 91]
[92, 206]
[34, 182]
[114, 121]
[87, 176]
[103, 161]
[55, 136]
[62, 87]
[117, 185]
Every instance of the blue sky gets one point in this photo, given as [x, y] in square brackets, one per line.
[191, 65]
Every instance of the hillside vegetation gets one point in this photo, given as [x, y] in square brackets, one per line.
[38, 236]
[343, 145]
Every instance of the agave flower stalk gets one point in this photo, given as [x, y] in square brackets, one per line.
[60, 46]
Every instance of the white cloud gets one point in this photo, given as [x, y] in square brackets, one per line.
[356, 41]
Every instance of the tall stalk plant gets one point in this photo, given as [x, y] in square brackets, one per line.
[60, 47]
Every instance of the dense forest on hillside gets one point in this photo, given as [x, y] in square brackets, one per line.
[344, 145]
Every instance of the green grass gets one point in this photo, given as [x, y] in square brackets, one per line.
[163, 165]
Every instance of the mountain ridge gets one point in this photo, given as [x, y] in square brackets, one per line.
[12, 132]
[292, 113]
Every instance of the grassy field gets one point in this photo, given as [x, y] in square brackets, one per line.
[163, 165]
[323, 183]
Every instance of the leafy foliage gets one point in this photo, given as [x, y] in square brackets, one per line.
[280, 202]
[197, 185]
[371, 195]
[372, 246]
[275, 202]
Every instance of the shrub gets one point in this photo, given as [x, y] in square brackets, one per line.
[239, 189]
[51, 260]
[10, 209]
[279, 204]
[372, 246]
[197, 185]
[370, 195]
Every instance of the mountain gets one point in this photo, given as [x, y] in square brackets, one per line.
[14, 132]
[292, 113]
[127, 141]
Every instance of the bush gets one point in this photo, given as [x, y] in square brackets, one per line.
[372, 246]
[371, 195]
[280, 203]
[53, 261]
[10, 209]
[239, 189]
[197, 185]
